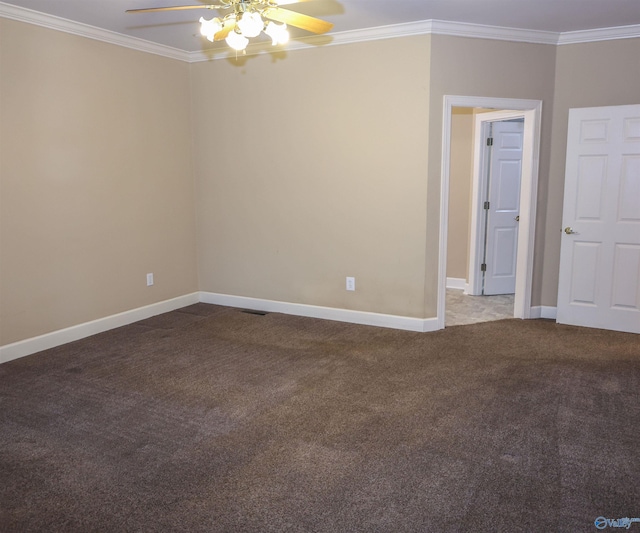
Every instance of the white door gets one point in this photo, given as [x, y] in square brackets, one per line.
[502, 207]
[599, 283]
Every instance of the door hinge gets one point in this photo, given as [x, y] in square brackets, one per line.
[486, 205]
[483, 267]
[489, 141]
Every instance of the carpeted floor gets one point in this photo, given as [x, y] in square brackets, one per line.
[208, 419]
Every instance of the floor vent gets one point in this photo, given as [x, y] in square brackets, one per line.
[255, 312]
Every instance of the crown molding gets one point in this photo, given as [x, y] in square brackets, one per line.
[479, 31]
[600, 34]
[52, 22]
[441, 27]
[423, 27]
[392, 31]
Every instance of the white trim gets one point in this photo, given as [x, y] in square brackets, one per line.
[420, 27]
[429, 27]
[80, 331]
[33, 345]
[544, 311]
[392, 31]
[327, 313]
[499, 33]
[532, 112]
[74, 333]
[22, 14]
[456, 283]
[599, 34]
[442, 27]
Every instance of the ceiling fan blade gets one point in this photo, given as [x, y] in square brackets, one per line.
[228, 25]
[298, 20]
[202, 6]
[175, 8]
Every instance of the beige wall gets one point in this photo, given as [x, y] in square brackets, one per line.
[587, 75]
[478, 67]
[314, 168]
[460, 189]
[308, 167]
[95, 180]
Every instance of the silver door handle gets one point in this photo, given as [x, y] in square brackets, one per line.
[517, 219]
[569, 231]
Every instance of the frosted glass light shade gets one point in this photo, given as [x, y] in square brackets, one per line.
[250, 24]
[209, 28]
[278, 33]
[237, 41]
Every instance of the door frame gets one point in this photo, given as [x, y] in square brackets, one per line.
[532, 112]
[479, 182]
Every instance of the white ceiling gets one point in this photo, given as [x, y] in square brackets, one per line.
[180, 29]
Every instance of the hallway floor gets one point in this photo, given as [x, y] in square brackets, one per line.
[465, 309]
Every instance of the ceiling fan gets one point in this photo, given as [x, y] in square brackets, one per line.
[247, 18]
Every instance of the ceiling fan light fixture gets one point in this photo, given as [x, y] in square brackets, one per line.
[277, 32]
[208, 28]
[250, 24]
[237, 41]
[246, 19]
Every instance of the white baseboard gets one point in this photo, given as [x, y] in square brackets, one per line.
[63, 336]
[327, 313]
[544, 311]
[456, 283]
[74, 333]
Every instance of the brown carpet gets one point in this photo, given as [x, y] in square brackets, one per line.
[210, 419]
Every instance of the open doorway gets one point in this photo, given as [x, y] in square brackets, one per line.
[529, 111]
[484, 197]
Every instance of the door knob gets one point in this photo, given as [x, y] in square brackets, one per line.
[569, 231]
[517, 219]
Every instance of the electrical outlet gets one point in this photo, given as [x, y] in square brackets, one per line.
[351, 284]
[150, 279]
